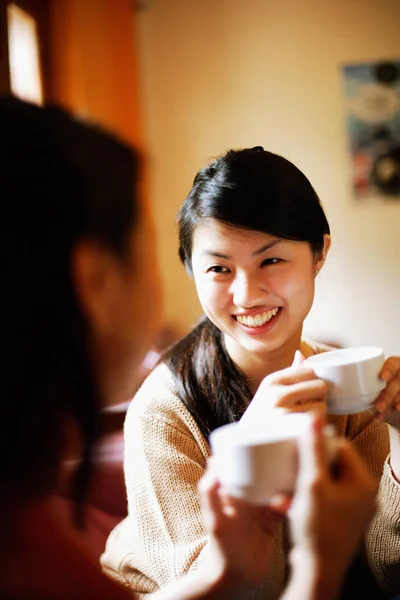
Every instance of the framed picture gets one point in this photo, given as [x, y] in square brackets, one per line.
[372, 94]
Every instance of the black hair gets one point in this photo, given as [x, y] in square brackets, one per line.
[253, 189]
[61, 181]
[250, 189]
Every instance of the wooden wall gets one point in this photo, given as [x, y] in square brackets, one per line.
[94, 69]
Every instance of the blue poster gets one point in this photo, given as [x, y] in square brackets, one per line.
[372, 94]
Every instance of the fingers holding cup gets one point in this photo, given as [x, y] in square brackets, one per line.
[388, 402]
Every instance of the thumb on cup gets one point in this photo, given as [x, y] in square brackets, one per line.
[298, 359]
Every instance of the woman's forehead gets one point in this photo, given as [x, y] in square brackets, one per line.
[214, 231]
[218, 239]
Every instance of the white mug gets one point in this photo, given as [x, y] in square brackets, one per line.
[352, 375]
[254, 462]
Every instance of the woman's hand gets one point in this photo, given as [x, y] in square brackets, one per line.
[388, 402]
[331, 509]
[241, 536]
[295, 389]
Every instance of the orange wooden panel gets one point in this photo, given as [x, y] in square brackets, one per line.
[94, 63]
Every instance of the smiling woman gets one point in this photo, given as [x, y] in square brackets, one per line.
[254, 236]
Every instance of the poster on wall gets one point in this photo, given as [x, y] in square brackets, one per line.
[372, 92]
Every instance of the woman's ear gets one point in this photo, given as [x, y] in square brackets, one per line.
[320, 260]
[92, 274]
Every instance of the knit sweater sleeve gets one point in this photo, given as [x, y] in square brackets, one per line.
[162, 472]
[382, 540]
[165, 456]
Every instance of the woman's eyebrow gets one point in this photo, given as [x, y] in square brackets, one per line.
[207, 252]
[216, 254]
[266, 247]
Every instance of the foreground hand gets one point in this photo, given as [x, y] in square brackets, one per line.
[330, 512]
[295, 389]
[388, 402]
[241, 536]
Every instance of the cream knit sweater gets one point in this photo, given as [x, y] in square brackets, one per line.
[165, 455]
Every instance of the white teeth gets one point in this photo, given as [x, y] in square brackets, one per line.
[257, 320]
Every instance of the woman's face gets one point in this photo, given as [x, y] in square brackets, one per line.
[256, 288]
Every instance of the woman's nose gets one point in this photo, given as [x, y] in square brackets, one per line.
[247, 291]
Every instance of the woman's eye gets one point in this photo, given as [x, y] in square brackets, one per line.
[270, 261]
[217, 269]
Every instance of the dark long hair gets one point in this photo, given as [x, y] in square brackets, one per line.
[250, 189]
[60, 182]
[207, 380]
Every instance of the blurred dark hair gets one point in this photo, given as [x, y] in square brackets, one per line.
[251, 189]
[61, 181]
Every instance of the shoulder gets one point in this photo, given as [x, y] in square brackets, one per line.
[157, 405]
[157, 394]
[160, 383]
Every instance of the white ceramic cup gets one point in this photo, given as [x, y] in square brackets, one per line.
[352, 375]
[254, 462]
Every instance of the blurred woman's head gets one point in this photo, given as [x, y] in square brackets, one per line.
[80, 286]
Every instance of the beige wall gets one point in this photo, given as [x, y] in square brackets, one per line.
[234, 73]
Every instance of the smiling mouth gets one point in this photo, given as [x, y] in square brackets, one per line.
[258, 320]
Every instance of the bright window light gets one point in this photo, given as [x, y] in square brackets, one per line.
[23, 45]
